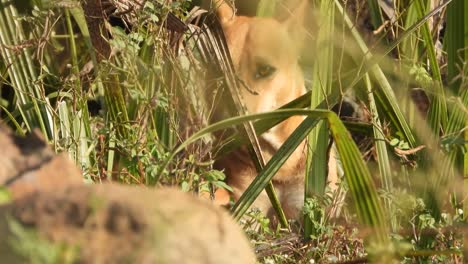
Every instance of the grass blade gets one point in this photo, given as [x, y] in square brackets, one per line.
[455, 41]
[228, 123]
[438, 110]
[22, 72]
[317, 165]
[266, 8]
[385, 171]
[275, 163]
[387, 96]
[375, 13]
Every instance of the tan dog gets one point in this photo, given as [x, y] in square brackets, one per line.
[265, 54]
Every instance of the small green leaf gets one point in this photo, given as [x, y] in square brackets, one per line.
[394, 142]
[5, 195]
[221, 184]
[214, 175]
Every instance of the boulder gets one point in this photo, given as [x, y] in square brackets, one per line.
[112, 223]
[29, 164]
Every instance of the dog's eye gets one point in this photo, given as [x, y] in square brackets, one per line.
[264, 71]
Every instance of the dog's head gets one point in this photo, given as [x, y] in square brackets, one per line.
[265, 53]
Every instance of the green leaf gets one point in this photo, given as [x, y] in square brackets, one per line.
[214, 175]
[273, 165]
[321, 87]
[438, 117]
[266, 8]
[221, 184]
[385, 170]
[5, 195]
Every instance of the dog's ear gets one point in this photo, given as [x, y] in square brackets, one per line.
[226, 13]
[295, 21]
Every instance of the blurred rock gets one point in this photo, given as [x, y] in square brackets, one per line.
[122, 224]
[28, 164]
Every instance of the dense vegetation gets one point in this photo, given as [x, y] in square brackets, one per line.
[120, 89]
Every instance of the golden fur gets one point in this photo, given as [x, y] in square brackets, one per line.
[265, 54]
